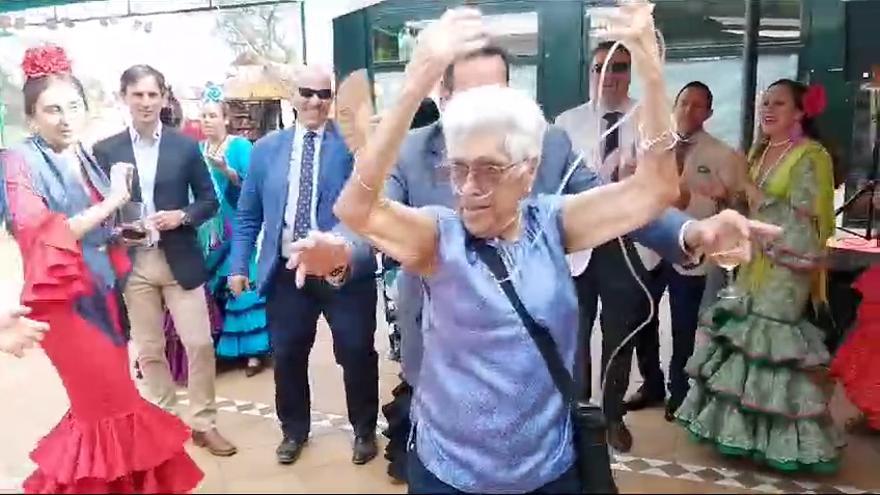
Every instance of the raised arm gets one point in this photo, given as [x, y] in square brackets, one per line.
[406, 234]
[600, 214]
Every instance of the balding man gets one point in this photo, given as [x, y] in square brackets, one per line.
[294, 179]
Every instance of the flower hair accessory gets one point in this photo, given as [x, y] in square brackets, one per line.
[213, 94]
[44, 61]
[814, 100]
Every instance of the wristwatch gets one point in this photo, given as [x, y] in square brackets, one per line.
[186, 220]
[695, 256]
[338, 276]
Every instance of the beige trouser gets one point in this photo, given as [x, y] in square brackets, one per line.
[149, 285]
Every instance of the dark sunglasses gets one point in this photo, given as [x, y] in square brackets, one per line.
[614, 68]
[323, 94]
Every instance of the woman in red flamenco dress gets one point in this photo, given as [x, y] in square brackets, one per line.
[856, 364]
[57, 202]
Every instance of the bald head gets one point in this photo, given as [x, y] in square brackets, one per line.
[313, 96]
[314, 76]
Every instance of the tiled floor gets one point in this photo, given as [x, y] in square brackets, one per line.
[663, 460]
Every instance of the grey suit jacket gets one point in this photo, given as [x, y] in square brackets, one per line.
[418, 180]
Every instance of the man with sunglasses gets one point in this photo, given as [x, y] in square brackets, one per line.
[603, 272]
[294, 179]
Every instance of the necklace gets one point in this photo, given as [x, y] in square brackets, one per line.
[771, 144]
[215, 150]
[768, 171]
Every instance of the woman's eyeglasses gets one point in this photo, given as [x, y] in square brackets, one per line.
[323, 94]
[484, 176]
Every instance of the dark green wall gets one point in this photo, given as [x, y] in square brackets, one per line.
[822, 60]
[352, 47]
[561, 71]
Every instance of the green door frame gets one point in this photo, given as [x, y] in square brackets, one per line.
[822, 60]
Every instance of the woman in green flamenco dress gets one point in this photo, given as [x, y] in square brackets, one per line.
[758, 390]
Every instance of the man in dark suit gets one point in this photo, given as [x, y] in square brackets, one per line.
[168, 271]
[294, 180]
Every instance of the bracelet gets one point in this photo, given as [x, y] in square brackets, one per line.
[647, 145]
[357, 177]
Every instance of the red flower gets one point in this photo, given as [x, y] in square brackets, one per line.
[45, 60]
[815, 100]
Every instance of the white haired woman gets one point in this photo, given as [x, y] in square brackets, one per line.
[488, 416]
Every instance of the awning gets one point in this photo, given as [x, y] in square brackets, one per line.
[254, 82]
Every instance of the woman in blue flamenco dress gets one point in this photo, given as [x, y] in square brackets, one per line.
[243, 332]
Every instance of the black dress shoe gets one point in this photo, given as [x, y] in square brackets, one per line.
[289, 450]
[643, 398]
[365, 449]
[672, 405]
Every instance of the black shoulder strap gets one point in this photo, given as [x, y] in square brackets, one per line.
[539, 334]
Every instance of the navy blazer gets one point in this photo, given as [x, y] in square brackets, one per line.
[418, 180]
[263, 202]
[180, 170]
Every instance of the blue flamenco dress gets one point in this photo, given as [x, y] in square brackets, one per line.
[243, 332]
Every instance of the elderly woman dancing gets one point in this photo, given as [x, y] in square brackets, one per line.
[487, 415]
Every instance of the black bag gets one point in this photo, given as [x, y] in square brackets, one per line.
[590, 441]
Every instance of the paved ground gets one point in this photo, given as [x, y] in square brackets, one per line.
[663, 459]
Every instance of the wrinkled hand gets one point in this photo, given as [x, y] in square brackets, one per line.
[727, 230]
[633, 25]
[166, 220]
[457, 32]
[237, 284]
[18, 333]
[121, 175]
[318, 254]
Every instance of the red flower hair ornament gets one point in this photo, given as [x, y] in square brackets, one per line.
[44, 61]
[815, 100]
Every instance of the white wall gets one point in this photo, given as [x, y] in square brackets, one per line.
[319, 26]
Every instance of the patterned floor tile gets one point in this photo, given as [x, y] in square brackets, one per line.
[323, 423]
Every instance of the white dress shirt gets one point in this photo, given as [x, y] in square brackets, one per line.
[293, 177]
[146, 158]
[585, 125]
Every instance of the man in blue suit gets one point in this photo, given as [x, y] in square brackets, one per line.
[294, 180]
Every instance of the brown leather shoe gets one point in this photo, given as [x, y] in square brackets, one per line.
[619, 437]
[214, 442]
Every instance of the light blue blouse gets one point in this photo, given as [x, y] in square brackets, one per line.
[489, 418]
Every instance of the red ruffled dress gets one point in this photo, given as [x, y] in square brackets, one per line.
[857, 364]
[111, 440]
